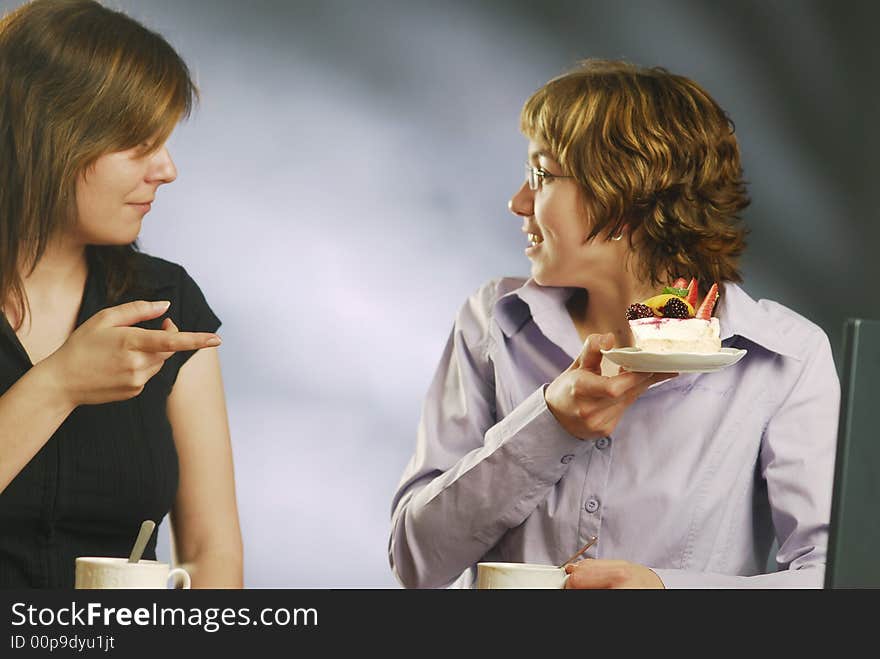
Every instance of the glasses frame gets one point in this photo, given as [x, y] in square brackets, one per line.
[535, 176]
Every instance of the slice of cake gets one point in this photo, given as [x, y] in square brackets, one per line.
[668, 322]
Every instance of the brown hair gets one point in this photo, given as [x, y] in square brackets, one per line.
[655, 154]
[77, 81]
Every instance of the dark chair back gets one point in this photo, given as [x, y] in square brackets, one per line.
[854, 540]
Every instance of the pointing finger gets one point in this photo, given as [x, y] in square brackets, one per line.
[171, 341]
[168, 326]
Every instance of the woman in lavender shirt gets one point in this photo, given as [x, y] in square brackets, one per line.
[531, 442]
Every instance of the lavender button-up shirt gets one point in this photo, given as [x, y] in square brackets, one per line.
[698, 478]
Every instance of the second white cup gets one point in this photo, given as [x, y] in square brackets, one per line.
[519, 575]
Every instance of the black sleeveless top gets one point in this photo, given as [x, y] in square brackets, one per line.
[108, 467]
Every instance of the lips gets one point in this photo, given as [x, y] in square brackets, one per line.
[143, 206]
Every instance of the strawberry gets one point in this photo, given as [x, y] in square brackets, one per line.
[681, 282]
[705, 310]
[693, 291]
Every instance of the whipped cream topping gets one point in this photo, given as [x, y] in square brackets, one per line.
[677, 334]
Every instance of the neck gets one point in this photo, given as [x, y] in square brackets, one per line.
[63, 262]
[601, 307]
[57, 278]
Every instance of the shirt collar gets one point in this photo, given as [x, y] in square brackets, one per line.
[737, 313]
[514, 308]
[545, 305]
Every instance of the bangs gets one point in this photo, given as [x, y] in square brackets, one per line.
[139, 88]
[560, 115]
[146, 98]
[539, 118]
[150, 123]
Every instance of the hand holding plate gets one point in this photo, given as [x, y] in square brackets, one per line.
[586, 403]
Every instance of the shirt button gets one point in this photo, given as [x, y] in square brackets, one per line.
[603, 442]
[566, 459]
[591, 506]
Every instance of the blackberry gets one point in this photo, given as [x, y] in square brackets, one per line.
[675, 308]
[638, 310]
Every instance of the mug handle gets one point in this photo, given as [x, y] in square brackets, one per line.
[184, 580]
[565, 580]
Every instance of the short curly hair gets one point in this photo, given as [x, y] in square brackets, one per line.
[655, 154]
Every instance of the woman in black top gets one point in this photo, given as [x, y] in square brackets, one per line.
[109, 414]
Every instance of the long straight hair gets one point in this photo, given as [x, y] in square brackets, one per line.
[77, 81]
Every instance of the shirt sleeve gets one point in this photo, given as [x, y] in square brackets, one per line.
[472, 477]
[191, 313]
[797, 461]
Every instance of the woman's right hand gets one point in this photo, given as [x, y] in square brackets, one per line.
[586, 403]
[106, 360]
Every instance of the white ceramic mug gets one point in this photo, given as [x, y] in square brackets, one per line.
[519, 575]
[104, 572]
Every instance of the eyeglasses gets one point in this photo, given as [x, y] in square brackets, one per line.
[537, 175]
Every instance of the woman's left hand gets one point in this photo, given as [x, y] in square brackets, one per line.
[602, 573]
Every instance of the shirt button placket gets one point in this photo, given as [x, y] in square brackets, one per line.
[590, 523]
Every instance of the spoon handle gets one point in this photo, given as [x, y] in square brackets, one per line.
[581, 550]
[141, 543]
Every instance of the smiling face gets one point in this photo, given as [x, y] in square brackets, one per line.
[556, 224]
[114, 194]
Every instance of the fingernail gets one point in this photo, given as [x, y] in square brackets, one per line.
[161, 305]
[214, 341]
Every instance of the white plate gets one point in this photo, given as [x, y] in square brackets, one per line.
[639, 361]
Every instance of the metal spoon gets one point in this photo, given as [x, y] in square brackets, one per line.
[581, 550]
[141, 543]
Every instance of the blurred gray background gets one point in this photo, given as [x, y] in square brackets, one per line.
[343, 189]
